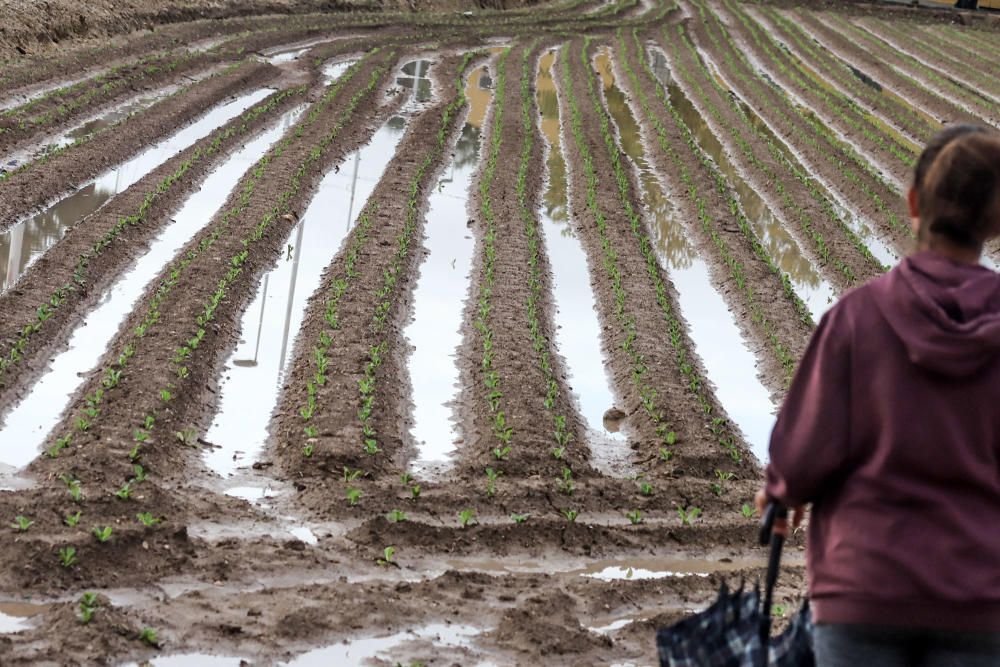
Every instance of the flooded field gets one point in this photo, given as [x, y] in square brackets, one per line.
[391, 337]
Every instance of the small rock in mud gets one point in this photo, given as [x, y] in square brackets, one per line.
[613, 419]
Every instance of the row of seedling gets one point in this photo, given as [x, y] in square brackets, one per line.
[113, 373]
[838, 154]
[866, 126]
[209, 148]
[902, 115]
[503, 432]
[777, 182]
[708, 225]
[561, 433]
[368, 384]
[647, 394]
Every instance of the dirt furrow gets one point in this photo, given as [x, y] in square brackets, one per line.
[54, 293]
[317, 427]
[227, 256]
[834, 163]
[881, 147]
[819, 230]
[41, 181]
[502, 358]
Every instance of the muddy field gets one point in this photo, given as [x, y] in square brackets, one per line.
[374, 336]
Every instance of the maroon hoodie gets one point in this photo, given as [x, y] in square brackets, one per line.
[891, 428]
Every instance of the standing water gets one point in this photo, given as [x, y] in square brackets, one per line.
[255, 370]
[24, 429]
[436, 329]
[578, 332]
[718, 342]
[29, 239]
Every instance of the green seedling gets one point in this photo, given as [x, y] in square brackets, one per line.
[688, 515]
[371, 446]
[571, 515]
[387, 555]
[21, 524]
[148, 636]
[501, 453]
[147, 519]
[646, 489]
[406, 478]
[635, 516]
[72, 519]
[165, 395]
[187, 436]
[666, 454]
[102, 534]
[558, 453]
[351, 475]
[148, 422]
[466, 517]
[491, 481]
[310, 431]
[519, 518]
[125, 493]
[746, 511]
[415, 491]
[135, 454]
[67, 556]
[566, 483]
[307, 450]
[353, 496]
[716, 489]
[140, 473]
[88, 605]
[395, 516]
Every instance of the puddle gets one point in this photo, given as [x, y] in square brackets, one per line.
[290, 52]
[334, 71]
[31, 420]
[366, 651]
[613, 570]
[193, 660]
[414, 78]
[439, 299]
[730, 365]
[816, 292]
[27, 240]
[255, 370]
[255, 495]
[578, 330]
[16, 616]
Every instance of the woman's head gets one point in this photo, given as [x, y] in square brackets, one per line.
[955, 199]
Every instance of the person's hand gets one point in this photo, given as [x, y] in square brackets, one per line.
[798, 513]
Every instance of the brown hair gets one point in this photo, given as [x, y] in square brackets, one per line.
[959, 196]
[941, 139]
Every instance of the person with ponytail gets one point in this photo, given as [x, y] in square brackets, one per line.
[891, 431]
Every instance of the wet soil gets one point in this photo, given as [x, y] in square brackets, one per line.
[340, 556]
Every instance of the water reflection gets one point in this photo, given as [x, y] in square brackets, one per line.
[718, 341]
[436, 330]
[578, 330]
[256, 369]
[416, 80]
[816, 292]
[27, 240]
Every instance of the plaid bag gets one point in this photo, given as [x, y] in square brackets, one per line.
[727, 634]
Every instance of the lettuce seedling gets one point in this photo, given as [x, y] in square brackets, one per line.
[102, 534]
[635, 516]
[466, 516]
[72, 519]
[67, 556]
[21, 524]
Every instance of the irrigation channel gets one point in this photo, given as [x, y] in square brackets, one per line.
[437, 337]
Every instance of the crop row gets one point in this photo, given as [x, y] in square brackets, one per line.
[779, 348]
[836, 104]
[970, 76]
[626, 321]
[114, 372]
[900, 114]
[561, 433]
[209, 147]
[911, 68]
[777, 181]
[839, 155]
[502, 431]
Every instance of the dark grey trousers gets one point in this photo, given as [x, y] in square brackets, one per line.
[838, 645]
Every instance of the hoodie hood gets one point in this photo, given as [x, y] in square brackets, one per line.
[946, 313]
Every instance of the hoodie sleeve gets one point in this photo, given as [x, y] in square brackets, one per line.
[810, 441]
